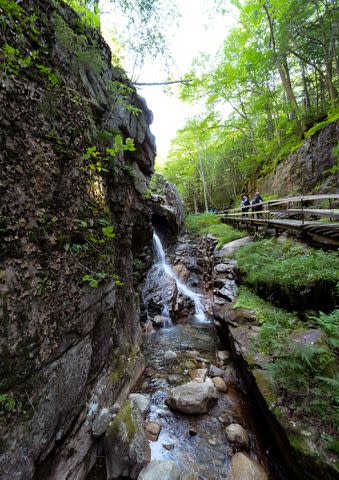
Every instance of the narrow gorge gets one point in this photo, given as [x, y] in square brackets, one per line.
[133, 342]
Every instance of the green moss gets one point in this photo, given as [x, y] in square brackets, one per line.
[123, 424]
[299, 443]
[265, 388]
[334, 116]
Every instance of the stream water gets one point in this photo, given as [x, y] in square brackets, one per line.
[197, 443]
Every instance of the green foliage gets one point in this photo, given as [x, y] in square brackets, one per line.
[89, 16]
[287, 264]
[100, 161]
[318, 126]
[121, 93]
[307, 376]
[80, 50]
[275, 322]
[52, 78]
[268, 75]
[209, 224]
[8, 404]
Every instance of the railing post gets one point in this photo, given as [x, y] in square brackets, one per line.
[302, 212]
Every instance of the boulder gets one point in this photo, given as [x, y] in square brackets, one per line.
[243, 467]
[141, 401]
[101, 422]
[235, 433]
[152, 430]
[215, 371]
[193, 398]
[126, 446]
[169, 356]
[220, 384]
[198, 374]
[231, 247]
[160, 469]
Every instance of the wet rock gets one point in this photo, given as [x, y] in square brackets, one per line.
[235, 433]
[126, 447]
[220, 384]
[167, 206]
[244, 467]
[215, 371]
[170, 356]
[174, 379]
[168, 446]
[158, 320]
[101, 422]
[160, 469]
[152, 430]
[198, 374]
[141, 401]
[193, 398]
[223, 356]
[223, 268]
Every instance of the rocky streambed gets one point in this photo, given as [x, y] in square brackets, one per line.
[187, 418]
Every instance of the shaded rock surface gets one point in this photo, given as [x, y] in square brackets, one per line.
[126, 446]
[167, 206]
[237, 434]
[305, 169]
[244, 467]
[63, 342]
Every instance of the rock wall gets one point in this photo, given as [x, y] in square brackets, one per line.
[73, 228]
[306, 170]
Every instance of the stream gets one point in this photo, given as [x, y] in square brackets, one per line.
[198, 444]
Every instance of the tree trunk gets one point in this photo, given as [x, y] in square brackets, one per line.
[202, 175]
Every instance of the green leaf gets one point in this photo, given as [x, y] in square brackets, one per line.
[108, 231]
[94, 283]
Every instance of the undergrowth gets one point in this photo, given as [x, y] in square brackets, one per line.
[210, 224]
[305, 376]
[287, 264]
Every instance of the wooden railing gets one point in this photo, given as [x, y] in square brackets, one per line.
[269, 209]
[300, 212]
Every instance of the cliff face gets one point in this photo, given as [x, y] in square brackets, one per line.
[307, 169]
[74, 221]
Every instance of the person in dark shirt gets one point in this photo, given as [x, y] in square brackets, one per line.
[245, 204]
[255, 207]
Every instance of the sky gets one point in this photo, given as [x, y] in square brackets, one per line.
[198, 31]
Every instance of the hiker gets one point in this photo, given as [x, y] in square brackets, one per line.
[255, 207]
[245, 204]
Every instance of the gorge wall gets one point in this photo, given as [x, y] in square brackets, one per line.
[307, 170]
[75, 223]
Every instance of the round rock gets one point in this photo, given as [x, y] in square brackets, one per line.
[169, 356]
[235, 433]
[243, 467]
[220, 384]
[192, 397]
[160, 469]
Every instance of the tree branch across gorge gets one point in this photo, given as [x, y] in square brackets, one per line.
[142, 84]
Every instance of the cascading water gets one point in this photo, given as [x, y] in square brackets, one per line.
[195, 297]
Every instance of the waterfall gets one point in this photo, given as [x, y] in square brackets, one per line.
[195, 297]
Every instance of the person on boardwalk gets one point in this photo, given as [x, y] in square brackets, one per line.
[255, 204]
[245, 204]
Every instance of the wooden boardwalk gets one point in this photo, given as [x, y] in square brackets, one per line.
[308, 216]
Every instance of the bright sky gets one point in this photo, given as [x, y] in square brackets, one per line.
[197, 32]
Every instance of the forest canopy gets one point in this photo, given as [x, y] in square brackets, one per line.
[278, 77]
